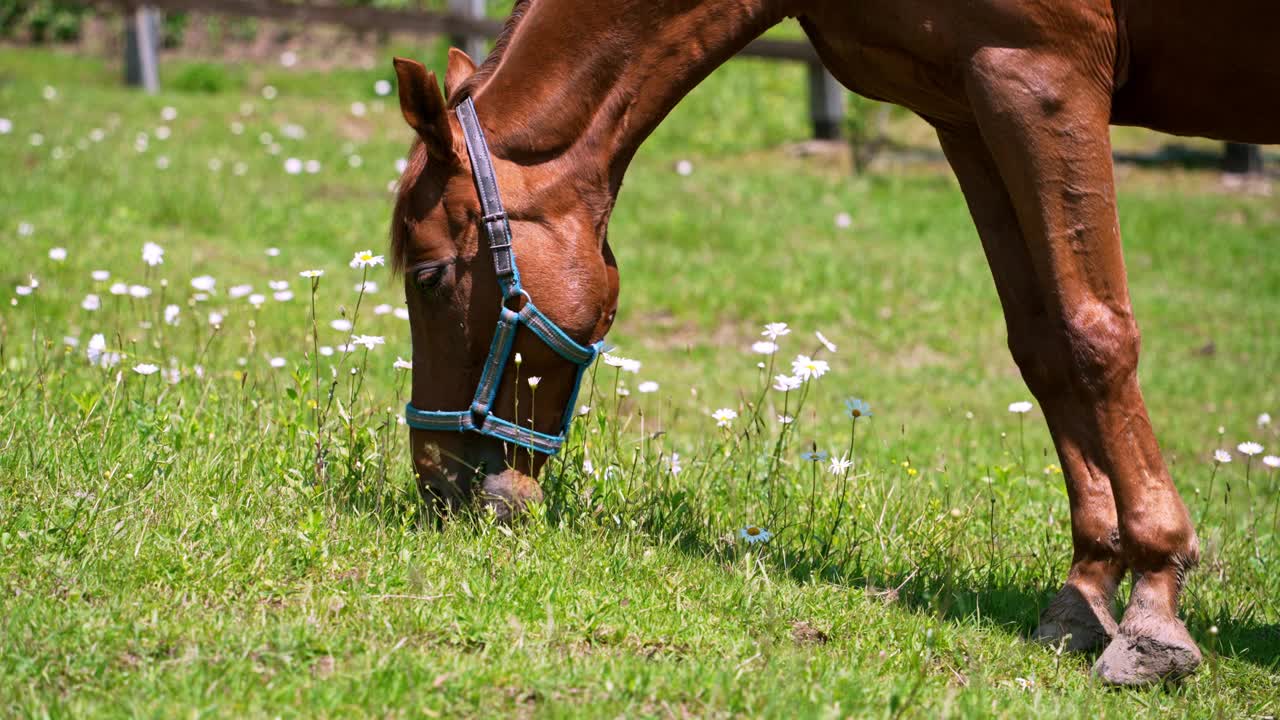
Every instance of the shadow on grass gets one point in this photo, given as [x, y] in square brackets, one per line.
[1002, 595]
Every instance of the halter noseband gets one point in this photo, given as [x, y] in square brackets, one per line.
[479, 418]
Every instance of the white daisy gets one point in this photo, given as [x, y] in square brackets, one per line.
[1249, 448]
[627, 364]
[204, 283]
[807, 368]
[1221, 456]
[724, 416]
[311, 273]
[753, 534]
[91, 302]
[402, 364]
[785, 383]
[368, 341]
[366, 258]
[830, 346]
[145, 369]
[152, 254]
[839, 465]
[648, 386]
[58, 254]
[773, 331]
[764, 347]
[340, 324]
[1022, 406]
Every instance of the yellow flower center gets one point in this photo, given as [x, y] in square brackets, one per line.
[753, 530]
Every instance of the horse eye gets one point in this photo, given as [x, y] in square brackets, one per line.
[429, 278]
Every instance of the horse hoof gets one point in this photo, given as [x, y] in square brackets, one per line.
[1153, 651]
[1070, 617]
[508, 494]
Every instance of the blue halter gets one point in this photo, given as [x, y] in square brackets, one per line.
[479, 418]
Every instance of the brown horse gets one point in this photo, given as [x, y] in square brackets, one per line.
[1021, 93]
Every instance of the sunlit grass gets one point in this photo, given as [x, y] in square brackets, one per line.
[238, 532]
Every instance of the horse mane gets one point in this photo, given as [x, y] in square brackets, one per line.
[399, 251]
[490, 64]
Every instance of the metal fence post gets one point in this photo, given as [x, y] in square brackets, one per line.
[141, 49]
[826, 103]
[473, 45]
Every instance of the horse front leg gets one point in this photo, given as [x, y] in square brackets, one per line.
[1081, 615]
[1045, 117]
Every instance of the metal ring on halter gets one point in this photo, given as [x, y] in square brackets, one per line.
[515, 292]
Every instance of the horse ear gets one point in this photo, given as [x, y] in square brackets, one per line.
[460, 68]
[423, 107]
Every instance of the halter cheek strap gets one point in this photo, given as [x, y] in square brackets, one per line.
[479, 418]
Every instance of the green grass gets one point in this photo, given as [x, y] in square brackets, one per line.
[165, 549]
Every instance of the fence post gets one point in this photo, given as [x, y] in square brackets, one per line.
[473, 45]
[826, 103]
[1241, 159]
[141, 49]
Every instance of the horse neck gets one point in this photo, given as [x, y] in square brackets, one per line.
[585, 87]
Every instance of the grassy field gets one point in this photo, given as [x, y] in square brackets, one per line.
[166, 548]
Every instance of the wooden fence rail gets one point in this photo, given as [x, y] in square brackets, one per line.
[469, 29]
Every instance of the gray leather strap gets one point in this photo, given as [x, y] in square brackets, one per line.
[493, 219]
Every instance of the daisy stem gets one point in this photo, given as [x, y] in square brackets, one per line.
[1209, 499]
[1022, 446]
[315, 389]
[1248, 490]
[844, 489]
[813, 501]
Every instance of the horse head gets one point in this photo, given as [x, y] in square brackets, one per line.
[500, 336]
